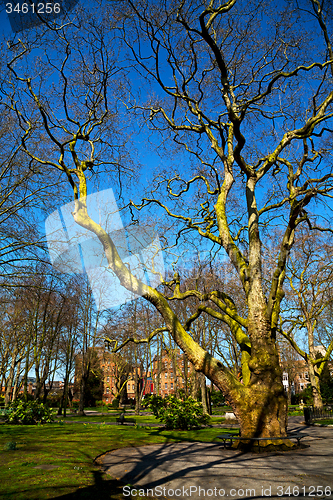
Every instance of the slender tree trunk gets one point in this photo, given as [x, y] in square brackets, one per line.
[136, 389]
[315, 386]
[10, 378]
[185, 374]
[25, 377]
[195, 385]
[204, 399]
[175, 373]
[38, 383]
[63, 400]
[209, 399]
[82, 392]
[17, 381]
[65, 394]
[3, 370]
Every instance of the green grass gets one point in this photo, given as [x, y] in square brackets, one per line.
[324, 421]
[73, 448]
[295, 413]
[110, 418]
[140, 419]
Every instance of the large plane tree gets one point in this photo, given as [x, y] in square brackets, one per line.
[241, 94]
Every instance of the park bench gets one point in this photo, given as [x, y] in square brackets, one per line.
[121, 420]
[234, 437]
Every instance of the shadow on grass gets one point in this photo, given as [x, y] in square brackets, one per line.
[102, 489]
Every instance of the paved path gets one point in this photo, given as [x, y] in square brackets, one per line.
[206, 470]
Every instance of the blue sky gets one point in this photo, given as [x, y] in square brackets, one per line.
[147, 162]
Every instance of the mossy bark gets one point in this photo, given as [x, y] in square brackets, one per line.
[315, 386]
[261, 406]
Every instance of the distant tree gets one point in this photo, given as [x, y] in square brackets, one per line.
[308, 295]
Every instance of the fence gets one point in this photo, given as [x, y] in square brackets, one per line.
[311, 414]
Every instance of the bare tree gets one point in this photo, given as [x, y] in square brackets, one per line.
[249, 106]
[309, 275]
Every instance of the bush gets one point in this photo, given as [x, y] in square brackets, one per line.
[26, 397]
[32, 412]
[100, 403]
[11, 445]
[115, 404]
[305, 396]
[54, 401]
[178, 414]
[217, 398]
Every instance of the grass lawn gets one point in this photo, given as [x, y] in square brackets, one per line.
[139, 419]
[72, 448]
[324, 421]
[295, 413]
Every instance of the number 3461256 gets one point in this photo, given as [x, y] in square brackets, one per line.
[39, 8]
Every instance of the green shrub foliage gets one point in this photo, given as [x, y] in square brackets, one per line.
[178, 414]
[115, 403]
[28, 413]
[10, 446]
[217, 398]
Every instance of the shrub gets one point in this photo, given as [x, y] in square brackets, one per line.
[305, 396]
[178, 414]
[154, 403]
[217, 398]
[100, 402]
[54, 401]
[25, 397]
[11, 445]
[32, 412]
[115, 403]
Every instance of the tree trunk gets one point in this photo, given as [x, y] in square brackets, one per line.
[175, 373]
[136, 391]
[82, 395]
[315, 386]
[8, 393]
[195, 385]
[63, 400]
[204, 398]
[261, 406]
[25, 377]
[17, 381]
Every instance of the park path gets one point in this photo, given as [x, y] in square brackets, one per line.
[206, 470]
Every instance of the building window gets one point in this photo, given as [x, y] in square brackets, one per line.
[107, 390]
[306, 375]
[171, 375]
[108, 379]
[166, 385]
[133, 387]
[171, 385]
[166, 375]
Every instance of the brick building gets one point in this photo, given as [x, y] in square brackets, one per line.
[167, 374]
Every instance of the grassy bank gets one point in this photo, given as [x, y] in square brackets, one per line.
[57, 460]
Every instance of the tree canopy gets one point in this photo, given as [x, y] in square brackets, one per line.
[236, 99]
